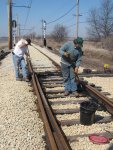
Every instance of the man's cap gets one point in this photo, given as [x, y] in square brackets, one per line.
[79, 41]
[28, 41]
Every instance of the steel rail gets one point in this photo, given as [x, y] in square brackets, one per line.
[93, 92]
[96, 75]
[99, 96]
[61, 140]
[57, 135]
[43, 113]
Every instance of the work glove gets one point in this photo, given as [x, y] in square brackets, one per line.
[66, 54]
[76, 73]
[76, 70]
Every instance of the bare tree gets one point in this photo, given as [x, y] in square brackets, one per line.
[93, 20]
[108, 44]
[101, 20]
[32, 35]
[59, 33]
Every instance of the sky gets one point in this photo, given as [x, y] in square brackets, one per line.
[48, 10]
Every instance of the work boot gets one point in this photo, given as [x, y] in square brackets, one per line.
[75, 94]
[26, 79]
[18, 79]
[66, 93]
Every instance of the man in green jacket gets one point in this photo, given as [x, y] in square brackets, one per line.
[71, 53]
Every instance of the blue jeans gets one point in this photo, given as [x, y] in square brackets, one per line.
[19, 61]
[69, 78]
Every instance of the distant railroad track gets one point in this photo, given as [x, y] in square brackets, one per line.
[55, 107]
[3, 54]
[94, 64]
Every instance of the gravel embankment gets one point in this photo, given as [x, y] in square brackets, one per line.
[20, 125]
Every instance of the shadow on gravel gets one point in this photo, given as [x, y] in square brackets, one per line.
[111, 147]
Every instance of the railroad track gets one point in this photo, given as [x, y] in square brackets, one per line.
[3, 54]
[87, 72]
[61, 115]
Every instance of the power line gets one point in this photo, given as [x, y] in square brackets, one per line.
[29, 31]
[62, 15]
[26, 29]
[62, 22]
[67, 21]
[29, 7]
[28, 13]
[72, 18]
[75, 24]
[71, 26]
[20, 6]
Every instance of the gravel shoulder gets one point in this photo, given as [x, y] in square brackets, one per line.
[20, 125]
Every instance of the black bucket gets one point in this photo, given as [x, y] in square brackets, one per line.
[87, 112]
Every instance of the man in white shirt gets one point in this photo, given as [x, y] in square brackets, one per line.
[20, 50]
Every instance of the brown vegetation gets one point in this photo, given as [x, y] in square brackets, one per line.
[95, 55]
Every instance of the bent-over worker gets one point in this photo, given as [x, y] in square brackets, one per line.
[20, 50]
[71, 53]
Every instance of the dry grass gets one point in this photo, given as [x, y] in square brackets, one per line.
[94, 55]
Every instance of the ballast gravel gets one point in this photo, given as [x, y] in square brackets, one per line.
[105, 82]
[20, 125]
[81, 143]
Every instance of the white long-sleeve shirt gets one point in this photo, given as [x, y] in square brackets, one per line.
[19, 50]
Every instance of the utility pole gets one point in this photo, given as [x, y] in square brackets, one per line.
[44, 31]
[14, 25]
[77, 17]
[10, 24]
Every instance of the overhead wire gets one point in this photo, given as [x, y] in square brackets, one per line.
[79, 22]
[28, 14]
[65, 21]
[62, 15]
[29, 7]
